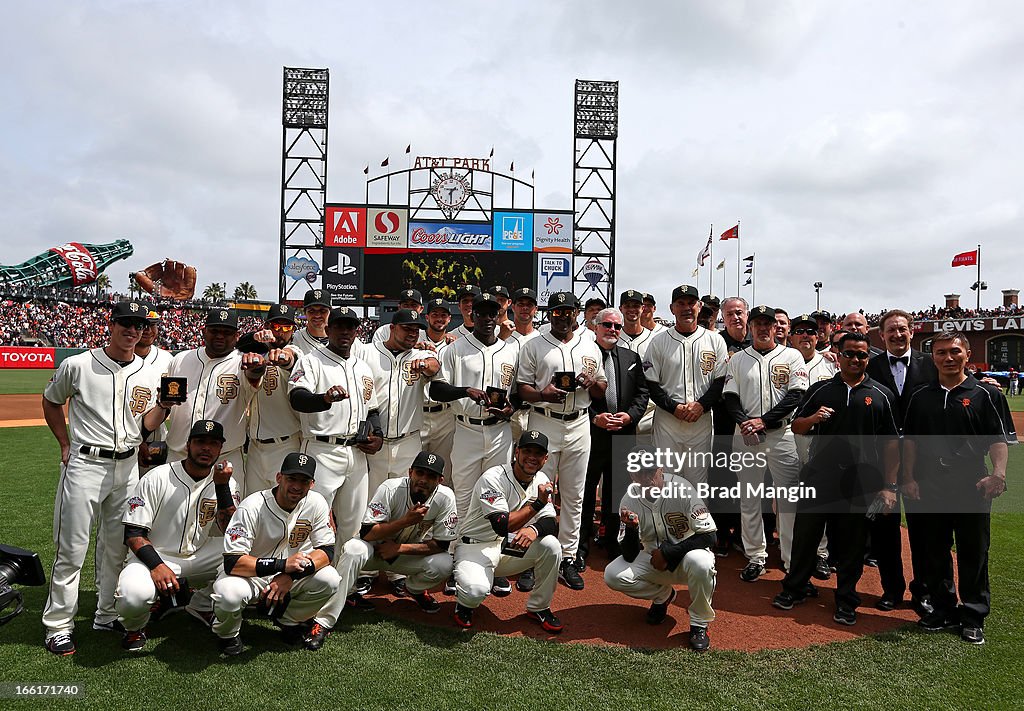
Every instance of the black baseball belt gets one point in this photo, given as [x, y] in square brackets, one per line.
[477, 420]
[342, 441]
[564, 416]
[106, 453]
[274, 440]
[436, 408]
[401, 437]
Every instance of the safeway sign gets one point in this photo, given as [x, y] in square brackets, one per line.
[18, 357]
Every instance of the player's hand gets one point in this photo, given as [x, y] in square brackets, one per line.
[478, 396]
[751, 439]
[388, 550]
[164, 579]
[889, 498]
[372, 446]
[608, 421]
[629, 518]
[552, 394]
[280, 586]
[428, 367]
[65, 454]
[281, 356]
[335, 393]
[426, 346]
[911, 490]
[502, 413]
[297, 563]
[658, 560]
[690, 412]
[830, 356]
[752, 426]
[524, 537]
[624, 419]
[505, 329]
[994, 382]
[253, 361]
[585, 380]
[222, 472]
[823, 414]
[544, 492]
[144, 454]
[450, 338]
[264, 336]
[415, 515]
[991, 486]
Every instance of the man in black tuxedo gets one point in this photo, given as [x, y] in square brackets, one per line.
[903, 370]
[616, 414]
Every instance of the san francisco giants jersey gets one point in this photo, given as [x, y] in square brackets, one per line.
[523, 339]
[271, 415]
[468, 363]
[498, 491]
[322, 369]
[307, 342]
[685, 365]
[107, 400]
[217, 390]
[391, 501]
[545, 355]
[462, 331]
[638, 343]
[668, 518]
[178, 512]
[400, 392]
[158, 358]
[263, 529]
[819, 368]
[761, 381]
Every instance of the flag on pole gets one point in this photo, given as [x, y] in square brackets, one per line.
[366, 170]
[749, 259]
[747, 282]
[748, 270]
[533, 174]
[408, 148]
[492, 152]
[695, 272]
[965, 259]
[384, 163]
[720, 266]
[512, 167]
[731, 233]
[706, 252]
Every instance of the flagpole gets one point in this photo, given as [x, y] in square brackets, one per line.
[753, 278]
[711, 260]
[979, 278]
[724, 288]
[737, 257]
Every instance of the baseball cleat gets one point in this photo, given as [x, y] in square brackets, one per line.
[659, 610]
[449, 585]
[426, 602]
[972, 635]
[293, 634]
[364, 583]
[547, 620]
[526, 581]
[232, 646]
[752, 572]
[922, 605]
[568, 574]
[204, 616]
[398, 588]
[845, 616]
[501, 587]
[699, 640]
[133, 641]
[786, 601]
[318, 634]
[463, 616]
[887, 603]
[112, 626]
[357, 602]
[61, 644]
[821, 569]
[936, 621]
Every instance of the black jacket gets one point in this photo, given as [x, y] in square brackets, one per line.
[631, 389]
[920, 373]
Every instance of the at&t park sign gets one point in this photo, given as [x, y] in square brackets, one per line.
[444, 162]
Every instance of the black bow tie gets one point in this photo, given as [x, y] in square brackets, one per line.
[905, 360]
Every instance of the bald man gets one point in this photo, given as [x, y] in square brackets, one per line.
[856, 322]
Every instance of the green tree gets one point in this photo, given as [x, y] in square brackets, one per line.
[214, 292]
[103, 284]
[245, 290]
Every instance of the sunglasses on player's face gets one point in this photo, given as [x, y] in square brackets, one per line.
[276, 326]
[611, 325]
[567, 311]
[805, 331]
[859, 355]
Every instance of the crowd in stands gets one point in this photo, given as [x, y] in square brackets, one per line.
[943, 313]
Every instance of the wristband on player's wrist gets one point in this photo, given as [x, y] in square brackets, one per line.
[537, 505]
[224, 500]
[148, 556]
[305, 572]
[269, 566]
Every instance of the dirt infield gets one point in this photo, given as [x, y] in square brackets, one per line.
[21, 411]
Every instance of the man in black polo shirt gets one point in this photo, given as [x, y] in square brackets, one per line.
[949, 427]
[854, 453]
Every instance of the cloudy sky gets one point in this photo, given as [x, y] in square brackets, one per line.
[860, 144]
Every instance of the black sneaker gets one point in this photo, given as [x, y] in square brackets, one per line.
[205, 616]
[887, 603]
[426, 602]
[721, 549]
[922, 605]
[845, 616]
[293, 634]
[871, 562]
[699, 640]
[318, 634]
[821, 569]
[786, 601]
[463, 616]
[61, 644]
[752, 572]
[568, 574]
[398, 588]
[547, 620]
[972, 635]
[357, 602]
[501, 587]
[526, 581]
[449, 585]
[364, 583]
[133, 641]
[112, 626]
[657, 612]
[581, 562]
[232, 646]
[936, 620]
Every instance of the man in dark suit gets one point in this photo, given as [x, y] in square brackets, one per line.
[903, 370]
[616, 414]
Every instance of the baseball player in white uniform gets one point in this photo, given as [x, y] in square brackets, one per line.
[220, 384]
[466, 294]
[278, 546]
[316, 306]
[437, 434]
[173, 526]
[409, 524]
[524, 310]
[333, 392]
[561, 414]
[666, 534]
[636, 337]
[647, 315]
[409, 299]
[686, 372]
[274, 430]
[152, 354]
[763, 386]
[113, 407]
[509, 528]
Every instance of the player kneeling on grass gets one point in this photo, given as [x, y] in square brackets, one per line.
[510, 527]
[663, 514]
[173, 526]
[278, 547]
[408, 526]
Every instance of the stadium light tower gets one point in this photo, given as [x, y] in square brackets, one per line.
[817, 295]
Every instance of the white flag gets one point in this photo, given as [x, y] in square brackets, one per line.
[696, 272]
[720, 266]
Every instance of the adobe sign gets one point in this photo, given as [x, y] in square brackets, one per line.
[344, 226]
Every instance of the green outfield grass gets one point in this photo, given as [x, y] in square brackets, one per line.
[1016, 403]
[377, 662]
[20, 382]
